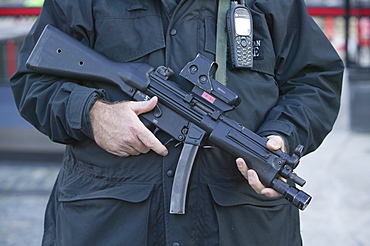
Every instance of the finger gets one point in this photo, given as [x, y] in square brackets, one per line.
[140, 141]
[121, 150]
[135, 149]
[276, 142]
[150, 141]
[143, 106]
[254, 181]
[269, 192]
[242, 166]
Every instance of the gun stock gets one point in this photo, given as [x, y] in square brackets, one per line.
[58, 54]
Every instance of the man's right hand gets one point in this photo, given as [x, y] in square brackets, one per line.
[118, 129]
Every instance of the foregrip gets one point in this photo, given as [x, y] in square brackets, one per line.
[270, 165]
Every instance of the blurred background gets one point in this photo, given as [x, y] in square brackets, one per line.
[337, 173]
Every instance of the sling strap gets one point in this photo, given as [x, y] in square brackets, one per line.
[221, 41]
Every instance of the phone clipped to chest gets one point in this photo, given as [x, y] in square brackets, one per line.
[240, 35]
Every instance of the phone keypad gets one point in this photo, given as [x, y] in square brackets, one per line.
[244, 51]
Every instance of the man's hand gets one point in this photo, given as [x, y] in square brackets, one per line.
[118, 130]
[274, 143]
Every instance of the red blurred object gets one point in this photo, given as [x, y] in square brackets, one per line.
[11, 57]
[338, 11]
[20, 11]
[364, 31]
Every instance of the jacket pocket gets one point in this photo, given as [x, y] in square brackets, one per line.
[137, 28]
[245, 218]
[242, 194]
[110, 216]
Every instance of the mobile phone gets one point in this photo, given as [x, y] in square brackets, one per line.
[240, 35]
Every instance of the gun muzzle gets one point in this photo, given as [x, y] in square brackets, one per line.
[298, 198]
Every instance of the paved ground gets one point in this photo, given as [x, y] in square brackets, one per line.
[24, 189]
[337, 177]
[29, 163]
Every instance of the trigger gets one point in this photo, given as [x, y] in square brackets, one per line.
[157, 112]
[169, 141]
[156, 130]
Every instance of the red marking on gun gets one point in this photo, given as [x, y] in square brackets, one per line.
[208, 97]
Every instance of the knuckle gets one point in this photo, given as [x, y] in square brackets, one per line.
[134, 129]
[124, 155]
[150, 142]
[113, 149]
[128, 141]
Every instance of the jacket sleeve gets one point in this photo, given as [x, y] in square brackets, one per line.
[309, 74]
[56, 107]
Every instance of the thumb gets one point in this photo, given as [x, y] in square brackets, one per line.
[276, 142]
[144, 106]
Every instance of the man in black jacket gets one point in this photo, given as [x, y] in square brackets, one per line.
[115, 182]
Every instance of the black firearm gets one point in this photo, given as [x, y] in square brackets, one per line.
[189, 117]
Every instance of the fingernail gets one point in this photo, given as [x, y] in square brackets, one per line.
[274, 144]
[239, 164]
[165, 153]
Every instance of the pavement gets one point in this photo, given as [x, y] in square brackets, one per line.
[337, 176]
[29, 164]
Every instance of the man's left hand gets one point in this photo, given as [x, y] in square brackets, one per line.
[274, 143]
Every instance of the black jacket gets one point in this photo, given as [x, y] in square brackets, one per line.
[293, 90]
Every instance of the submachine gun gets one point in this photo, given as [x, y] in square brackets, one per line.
[189, 117]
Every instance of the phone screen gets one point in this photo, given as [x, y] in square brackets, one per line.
[242, 22]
